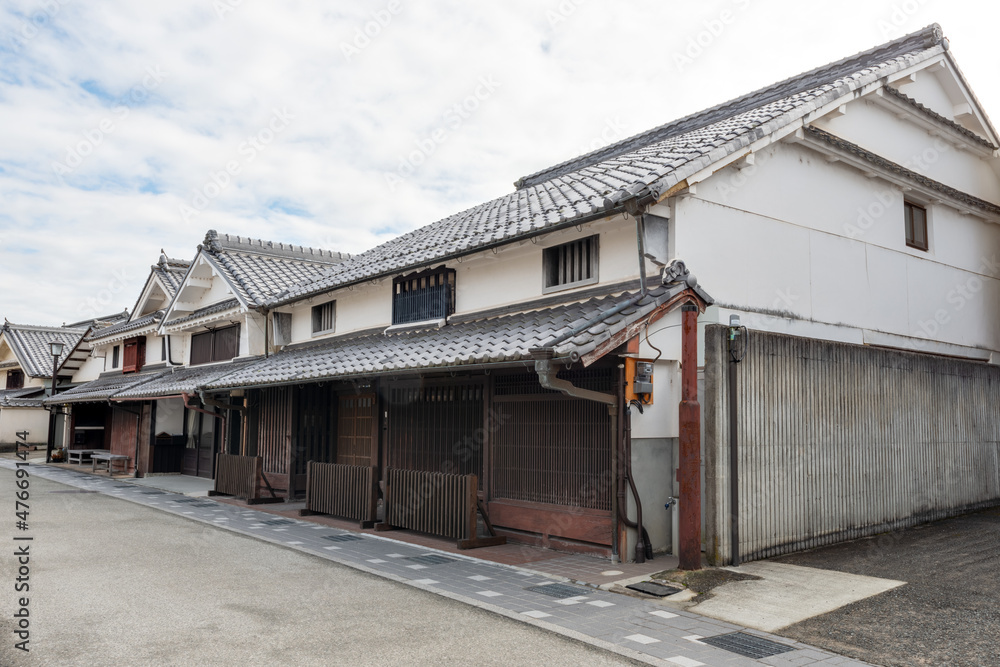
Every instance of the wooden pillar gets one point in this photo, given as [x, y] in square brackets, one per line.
[689, 470]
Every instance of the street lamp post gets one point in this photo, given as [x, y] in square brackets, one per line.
[56, 348]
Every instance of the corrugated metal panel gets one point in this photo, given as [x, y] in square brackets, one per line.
[839, 441]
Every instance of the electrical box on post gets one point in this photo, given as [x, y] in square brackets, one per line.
[639, 380]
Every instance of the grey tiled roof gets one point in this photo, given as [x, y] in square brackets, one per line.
[787, 94]
[220, 307]
[900, 170]
[31, 345]
[22, 398]
[125, 327]
[102, 388]
[593, 185]
[507, 338]
[930, 113]
[258, 270]
[99, 322]
[181, 380]
[171, 272]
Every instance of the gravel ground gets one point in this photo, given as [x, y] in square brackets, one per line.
[948, 613]
[115, 583]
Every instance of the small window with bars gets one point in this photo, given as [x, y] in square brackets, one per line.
[324, 317]
[916, 225]
[15, 379]
[115, 353]
[427, 295]
[570, 264]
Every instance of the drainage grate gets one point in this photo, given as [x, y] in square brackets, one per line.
[204, 504]
[278, 522]
[346, 537]
[650, 588]
[73, 491]
[151, 493]
[430, 559]
[746, 645]
[561, 591]
[186, 500]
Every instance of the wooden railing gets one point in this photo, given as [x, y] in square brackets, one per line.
[342, 490]
[436, 503]
[241, 476]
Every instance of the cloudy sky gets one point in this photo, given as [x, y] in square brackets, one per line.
[135, 126]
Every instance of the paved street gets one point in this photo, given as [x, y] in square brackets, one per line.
[167, 576]
[948, 613]
[116, 583]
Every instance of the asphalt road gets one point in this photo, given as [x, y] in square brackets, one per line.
[948, 613]
[114, 583]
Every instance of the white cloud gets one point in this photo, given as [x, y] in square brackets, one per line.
[321, 180]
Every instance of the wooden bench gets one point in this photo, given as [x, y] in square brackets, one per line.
[107, 462]
[81, 454]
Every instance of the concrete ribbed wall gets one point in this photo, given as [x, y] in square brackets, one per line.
[840, 441]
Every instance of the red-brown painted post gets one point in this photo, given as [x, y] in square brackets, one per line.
[689, 469]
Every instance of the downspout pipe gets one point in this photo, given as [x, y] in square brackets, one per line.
[241, 410]
[638, 211]
[187, 404]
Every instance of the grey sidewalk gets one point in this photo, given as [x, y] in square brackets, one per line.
[639, 629]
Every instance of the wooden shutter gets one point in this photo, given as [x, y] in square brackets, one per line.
[135, 355]
[227, 343]
[201, 348]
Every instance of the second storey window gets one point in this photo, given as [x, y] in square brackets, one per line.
[135, 355]
[570, 264]
[15, 379]
[916, 225]
[324, 317]
[215, 345]
[426, 295]
[115, 352]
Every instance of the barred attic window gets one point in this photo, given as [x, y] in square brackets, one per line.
[570, 264]
[324, 317]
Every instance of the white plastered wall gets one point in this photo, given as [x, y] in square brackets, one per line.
[813, 248]
[33, 420]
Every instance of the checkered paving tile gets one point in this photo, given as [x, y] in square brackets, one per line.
[678, 637]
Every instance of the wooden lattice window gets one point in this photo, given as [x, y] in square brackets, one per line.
[426, 295]
[570, 264]
[220, 344]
